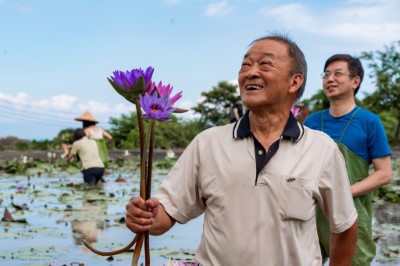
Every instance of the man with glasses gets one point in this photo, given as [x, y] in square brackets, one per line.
[362, 140]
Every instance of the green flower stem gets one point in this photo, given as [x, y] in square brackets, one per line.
[142, 150]
[148, 188]
[141, 126]
[150, 161]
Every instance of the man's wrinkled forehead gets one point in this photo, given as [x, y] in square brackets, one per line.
[267, 48]
[262, 54]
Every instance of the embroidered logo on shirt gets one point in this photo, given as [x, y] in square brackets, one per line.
[289, 180]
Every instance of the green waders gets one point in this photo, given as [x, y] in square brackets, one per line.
[357, 169]
[103, 152]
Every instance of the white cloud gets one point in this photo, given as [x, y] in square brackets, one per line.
[62, 109]
[368, 2]
[105, 110]
[57, 109]
[58, 112]
[374, 21]
[234, 82]
[291, 15]
[58, 102]
[18, 100]
[218, 9]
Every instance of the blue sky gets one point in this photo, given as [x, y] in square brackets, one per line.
[55, 56]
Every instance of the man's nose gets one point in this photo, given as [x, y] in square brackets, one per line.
[253, 72]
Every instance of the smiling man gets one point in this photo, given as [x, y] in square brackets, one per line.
[362, 140]
[258, 181]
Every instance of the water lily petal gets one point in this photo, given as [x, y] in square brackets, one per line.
[127, 79]
[155, 107]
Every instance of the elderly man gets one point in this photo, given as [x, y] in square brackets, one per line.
[258, 180]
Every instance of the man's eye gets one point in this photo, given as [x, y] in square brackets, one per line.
[244, 66]
[338, 74]
[265, 65]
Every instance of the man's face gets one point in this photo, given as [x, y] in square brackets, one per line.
[338, 82]
[264, 74]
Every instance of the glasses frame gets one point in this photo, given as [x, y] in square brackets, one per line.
[336, 74]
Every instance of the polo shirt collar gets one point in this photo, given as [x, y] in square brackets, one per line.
[293, 130]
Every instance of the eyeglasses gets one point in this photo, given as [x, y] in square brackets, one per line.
[336, 74]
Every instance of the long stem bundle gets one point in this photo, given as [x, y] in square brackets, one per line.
[146, 142]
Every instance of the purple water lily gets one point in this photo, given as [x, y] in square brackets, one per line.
[155, 107]
[164, 91]
[20, 187]
[126, 80]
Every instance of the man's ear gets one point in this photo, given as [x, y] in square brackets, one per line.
[356, 82]
[296, 82]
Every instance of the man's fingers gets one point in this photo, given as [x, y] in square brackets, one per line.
[133, 212]
[137, 228]
[152, 203]
[139, 216]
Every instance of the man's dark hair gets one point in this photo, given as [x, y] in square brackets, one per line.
[353, 63]
[299, 61]
[78, 134]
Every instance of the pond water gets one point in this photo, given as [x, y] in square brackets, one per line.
[60, 212]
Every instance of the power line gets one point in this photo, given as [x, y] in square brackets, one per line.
[33, 120]
[39, 115]
[34, 115]
[51, 110]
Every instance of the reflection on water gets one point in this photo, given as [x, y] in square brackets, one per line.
[87, 227]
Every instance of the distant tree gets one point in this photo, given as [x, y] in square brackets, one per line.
[317, 102]
[216, 105]
[385, 67]
[173, 134]
[125, 131]
[64, 136]
[14, 143]
[42, 145]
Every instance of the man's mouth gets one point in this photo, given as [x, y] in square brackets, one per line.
[253, 87]
[330, 87]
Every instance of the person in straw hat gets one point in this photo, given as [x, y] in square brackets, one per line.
[88, 153]
[93, 131]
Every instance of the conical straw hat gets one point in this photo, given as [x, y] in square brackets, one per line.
[86, 116]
